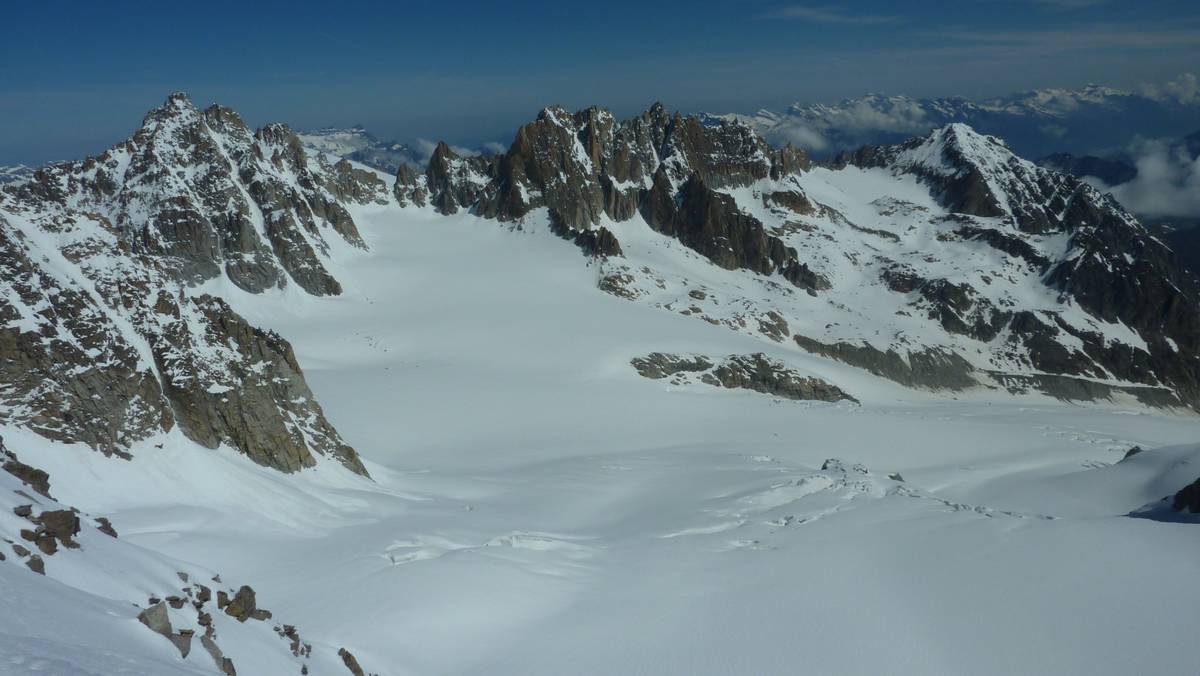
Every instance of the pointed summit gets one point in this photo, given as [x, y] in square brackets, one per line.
[977, 174]
[177, 106]
[953, 149]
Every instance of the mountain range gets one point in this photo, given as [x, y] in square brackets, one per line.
[357, 144]
[1088, 120]
[154, 295]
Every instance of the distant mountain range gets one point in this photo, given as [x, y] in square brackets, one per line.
[356, 143]
[359, 145]
[1087, 120]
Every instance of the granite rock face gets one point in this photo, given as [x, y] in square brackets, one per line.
[104, 340]
[256, 400]
[69, 371]
[586, 166]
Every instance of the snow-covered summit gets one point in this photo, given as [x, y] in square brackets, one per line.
[954, 145]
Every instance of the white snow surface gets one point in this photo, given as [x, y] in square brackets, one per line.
[539, 508]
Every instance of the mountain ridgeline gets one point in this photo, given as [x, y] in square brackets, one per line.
[669, 169]
[944, 262]
[1047, 232]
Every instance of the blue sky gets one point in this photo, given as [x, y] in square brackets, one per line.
[76, 77]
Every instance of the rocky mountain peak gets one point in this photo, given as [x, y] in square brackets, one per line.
[176, 102]
[958, 143]
[587, 166]
[977, 174]
[112, 247]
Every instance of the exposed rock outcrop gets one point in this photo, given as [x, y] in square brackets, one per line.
[351, 663]
[711, 223]
[243, 606]
[930, 368]
[68, 370]
[658, 365]
[586, 166]
[156, 620]
[1188, 498]
[266, 410]
[756, 372]
[33, 477]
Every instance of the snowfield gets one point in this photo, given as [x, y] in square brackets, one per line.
[540, 508]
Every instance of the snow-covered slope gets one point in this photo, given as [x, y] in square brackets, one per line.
[79, 598]
[534, 497]
[867, 416]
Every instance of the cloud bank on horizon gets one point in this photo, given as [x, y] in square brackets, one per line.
[394, 69]
[1047, 114]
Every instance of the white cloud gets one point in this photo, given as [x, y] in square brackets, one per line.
[899, 115]
[1184, 91]
[799, 135]
[1167, 183]
[851, 123]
